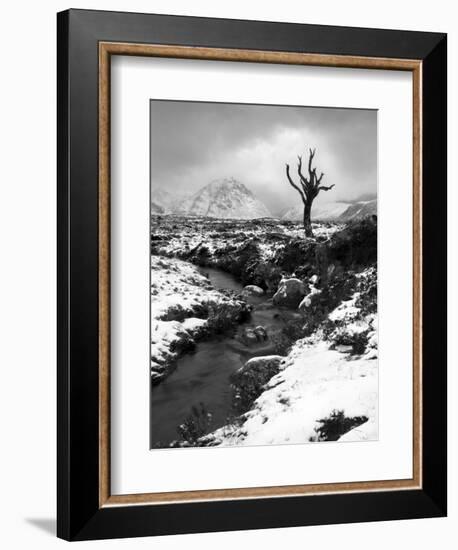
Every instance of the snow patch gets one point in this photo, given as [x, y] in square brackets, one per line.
[347, 310]
[314, 382]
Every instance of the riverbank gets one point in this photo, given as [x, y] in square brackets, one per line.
[185, 308]
[320, 394]
[202, 374]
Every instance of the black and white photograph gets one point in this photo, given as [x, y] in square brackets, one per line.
[263, 275]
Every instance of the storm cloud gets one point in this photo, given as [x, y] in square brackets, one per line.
[193, 143]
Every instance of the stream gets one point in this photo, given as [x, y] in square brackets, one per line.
[203, 376]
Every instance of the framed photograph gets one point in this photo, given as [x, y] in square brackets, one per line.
[251, 274]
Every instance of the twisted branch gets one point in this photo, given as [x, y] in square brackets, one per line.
[323, 188]
[301, 193]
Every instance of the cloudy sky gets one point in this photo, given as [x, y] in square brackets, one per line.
[193, 143]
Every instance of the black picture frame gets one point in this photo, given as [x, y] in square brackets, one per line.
[80, 516]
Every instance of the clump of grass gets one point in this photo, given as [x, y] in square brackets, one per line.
[203, 256]
[357, 340]
[336, 425]
[292, 331]
[196, 424]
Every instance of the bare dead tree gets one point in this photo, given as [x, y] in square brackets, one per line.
[308, 189]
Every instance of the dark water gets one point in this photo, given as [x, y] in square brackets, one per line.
[203, 376]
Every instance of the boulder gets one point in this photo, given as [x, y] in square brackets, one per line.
[249, 337]
[249, 380]
[253, 335]
[252, 290]
[261, 333]
[290, 293]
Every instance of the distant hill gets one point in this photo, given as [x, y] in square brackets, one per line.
[163, 202]
[225, 198]
[326, 212]
[334, 211]
[359, 210]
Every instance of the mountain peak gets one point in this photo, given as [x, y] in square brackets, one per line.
[228, 184]
[226, 198]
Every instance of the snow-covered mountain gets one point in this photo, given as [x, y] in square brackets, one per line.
[224, 198]
[162, 202]
[325, 212]
[359, 210]
[334, 211]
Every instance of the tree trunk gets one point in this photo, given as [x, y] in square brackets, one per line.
[307, 221]
[308, 189]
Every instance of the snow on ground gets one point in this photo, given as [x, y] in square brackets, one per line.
[335, 371]
[318, 378]
[177, 284]
[319, 230]
[179, 292]
[176, 236]
[267, 251]
[193, 323]
[165, 335]
[314, 382]
[366, 432]
[347, 310]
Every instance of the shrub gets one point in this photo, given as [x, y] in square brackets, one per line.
[248, 381]
[184, 343]
[340, 287]
[292, 331]
[196, 424]
[222, 316]
[202, 256]
[357, 340]
[245, 261]
[296, 254]
[266, 275]
[175, 313]
[367, 288]
[336, 425]
[356, 245]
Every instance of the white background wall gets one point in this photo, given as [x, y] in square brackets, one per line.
[27, 270]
